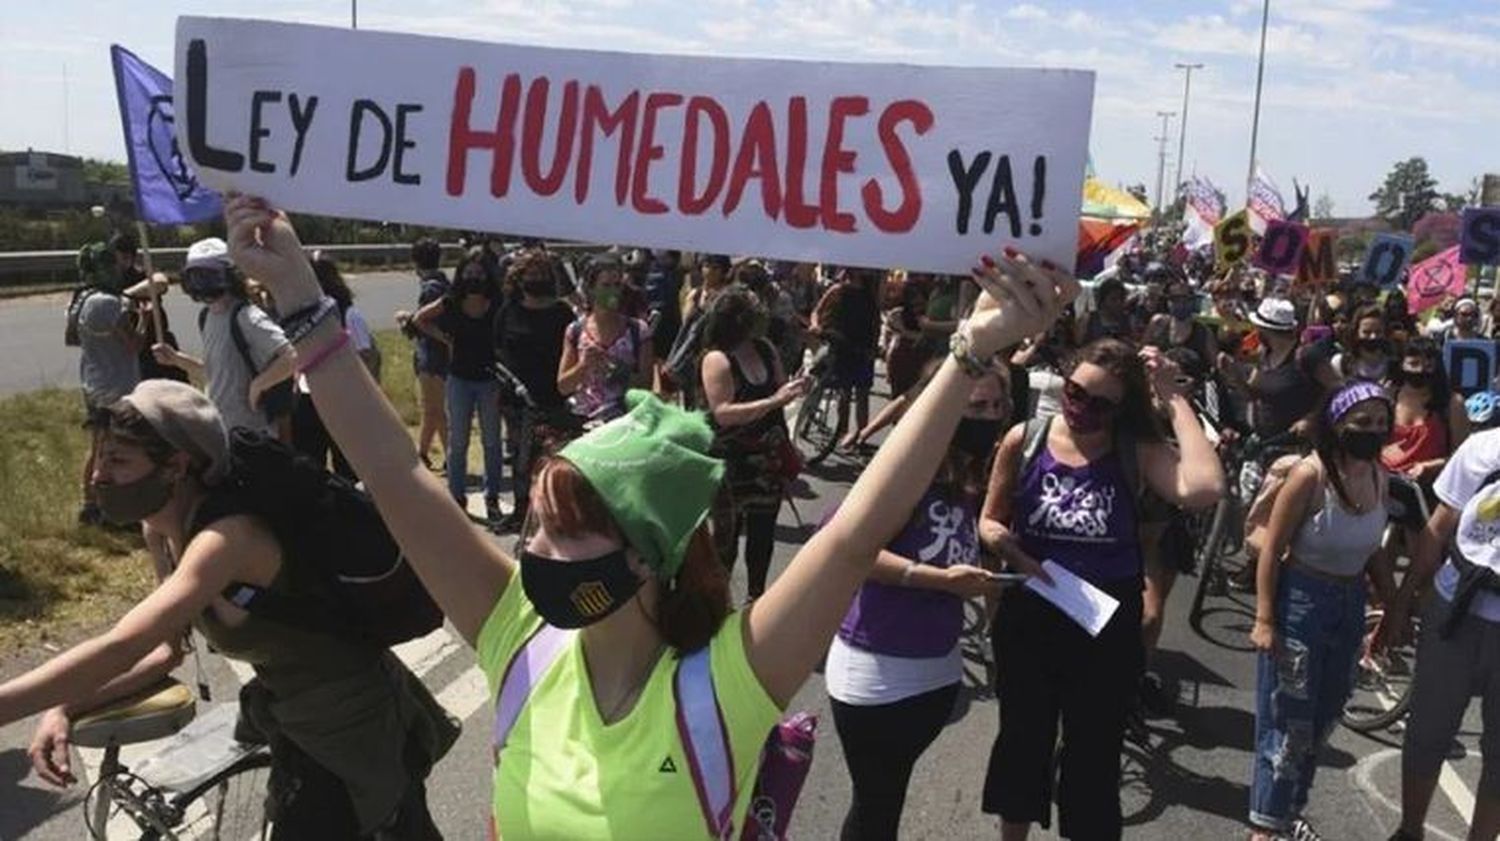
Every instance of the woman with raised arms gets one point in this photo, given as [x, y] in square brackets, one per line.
[617, 572]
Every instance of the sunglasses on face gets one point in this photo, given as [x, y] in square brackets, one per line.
[1080, 395]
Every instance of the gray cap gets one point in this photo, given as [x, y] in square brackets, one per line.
[185, 418]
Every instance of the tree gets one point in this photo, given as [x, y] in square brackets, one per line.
[1408, 194]
[1323, 207]
[1454, 202]
[1441, 230]
[96, 171]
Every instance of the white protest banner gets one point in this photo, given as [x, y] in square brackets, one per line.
[865, 164]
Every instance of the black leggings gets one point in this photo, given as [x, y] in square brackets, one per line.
[758, 524]
[881, 747]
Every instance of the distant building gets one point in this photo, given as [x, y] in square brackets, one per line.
[41, 181]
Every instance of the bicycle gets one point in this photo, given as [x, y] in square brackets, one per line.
[203, 783]
[1224, 536]
[815, 428]
[1381, 695]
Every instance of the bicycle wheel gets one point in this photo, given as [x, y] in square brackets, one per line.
[231, 805]
[1210, 555]
[816, 429]
[1382, 683]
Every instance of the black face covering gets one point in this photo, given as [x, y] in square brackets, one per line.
[539, 287]
[131, 502]
[1373, 345]
[575, 594]
[1363, 444]
[1417, 379]
[977, 436]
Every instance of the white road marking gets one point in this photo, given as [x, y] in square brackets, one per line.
[465, 695]
[1363, 775]
[1453, 786]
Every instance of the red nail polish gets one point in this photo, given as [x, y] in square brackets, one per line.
[1011, 252]
[1048, 265]
[987, 260]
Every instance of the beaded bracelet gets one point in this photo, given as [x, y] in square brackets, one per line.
[961, 348]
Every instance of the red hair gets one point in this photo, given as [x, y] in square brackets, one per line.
[693, 604]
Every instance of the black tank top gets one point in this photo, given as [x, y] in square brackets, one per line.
[1284, 395]
[747, 392]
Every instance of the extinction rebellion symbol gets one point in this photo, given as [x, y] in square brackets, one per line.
[162, 138]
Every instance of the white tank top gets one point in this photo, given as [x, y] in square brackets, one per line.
[1337, 541]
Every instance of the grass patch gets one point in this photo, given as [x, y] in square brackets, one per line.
[54, 574]
[58, 579]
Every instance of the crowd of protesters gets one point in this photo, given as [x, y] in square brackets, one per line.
[640, 401]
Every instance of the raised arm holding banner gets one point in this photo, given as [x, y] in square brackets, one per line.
[863, 164]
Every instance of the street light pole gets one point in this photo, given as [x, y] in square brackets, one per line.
[1161, 157]
[1260, 77]
[1187, 87]
[353, 14]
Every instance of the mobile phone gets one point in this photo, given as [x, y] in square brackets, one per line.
[1009, 577]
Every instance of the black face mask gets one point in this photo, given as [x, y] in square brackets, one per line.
[1417, 379]
[1362, 444]
[539, 288]
[575, 594]
[1372, 345]
[127, 503]
[977, 436]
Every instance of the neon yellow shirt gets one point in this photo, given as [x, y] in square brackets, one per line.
[564, 775]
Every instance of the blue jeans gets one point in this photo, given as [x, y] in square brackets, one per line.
[464, 396]
[1301, 689]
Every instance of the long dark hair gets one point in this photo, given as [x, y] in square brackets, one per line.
[1135, 415]
[1326, 444]
[1439, 391]
[332, 282]
[462, 285]
[729, 318]
[693, 603]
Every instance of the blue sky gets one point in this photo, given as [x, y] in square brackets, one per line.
[1351, 85]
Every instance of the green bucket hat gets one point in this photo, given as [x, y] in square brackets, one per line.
[652, 469]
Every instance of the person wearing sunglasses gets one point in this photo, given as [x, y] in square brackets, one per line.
[247, 361]
[1069, 490]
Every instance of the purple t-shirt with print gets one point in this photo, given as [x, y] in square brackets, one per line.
[909, 621]
[1081, 517]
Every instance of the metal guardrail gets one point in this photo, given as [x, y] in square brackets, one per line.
[40, 263]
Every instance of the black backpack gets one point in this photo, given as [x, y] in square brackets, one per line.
[71, 335]
[279, 399]
[348, 575]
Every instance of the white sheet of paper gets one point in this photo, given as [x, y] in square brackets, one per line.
[1084, 603]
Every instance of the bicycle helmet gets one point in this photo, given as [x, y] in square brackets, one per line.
[1481, 409]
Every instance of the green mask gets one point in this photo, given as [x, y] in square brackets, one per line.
[607, 298]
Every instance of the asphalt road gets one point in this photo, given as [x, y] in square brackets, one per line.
[1187, 779]
[32, 354]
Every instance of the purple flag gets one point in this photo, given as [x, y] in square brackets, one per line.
[167, 191]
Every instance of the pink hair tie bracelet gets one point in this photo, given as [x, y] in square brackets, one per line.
[322, 355]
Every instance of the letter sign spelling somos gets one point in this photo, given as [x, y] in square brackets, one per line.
[1281, 249]
[1481, 237]
[1386, 260]
[1232, 239]
[861, 164]
[1319, 263]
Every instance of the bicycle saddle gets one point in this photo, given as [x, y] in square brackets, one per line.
[153, 713]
